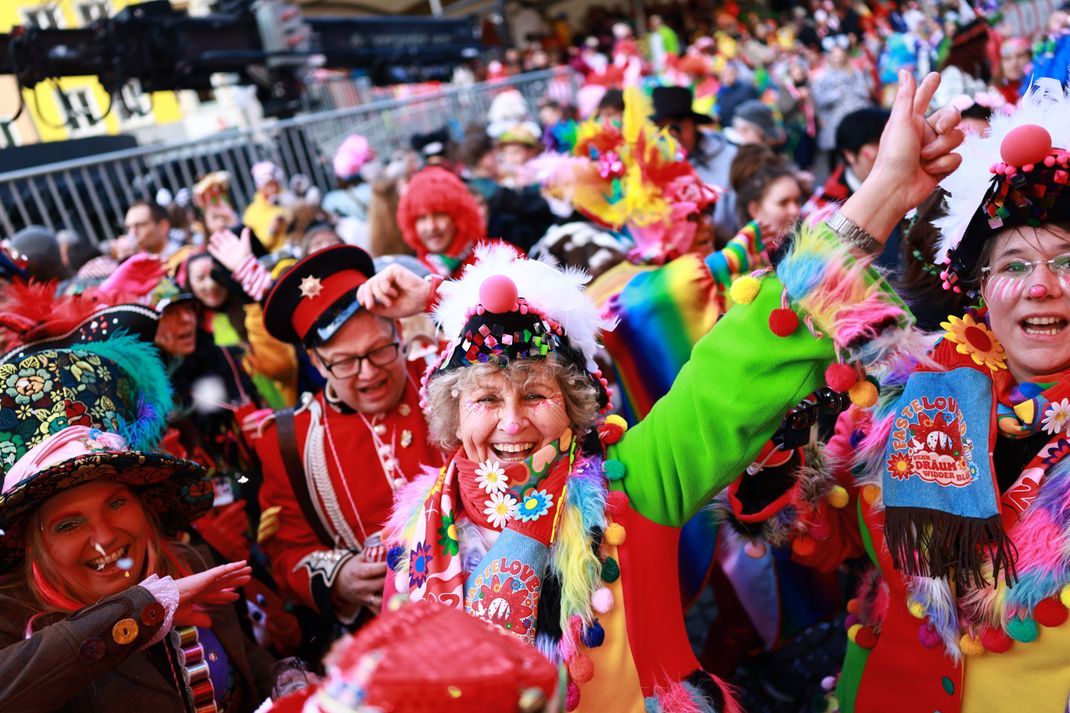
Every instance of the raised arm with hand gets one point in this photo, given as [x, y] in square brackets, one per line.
[395, 292]
[915, 154]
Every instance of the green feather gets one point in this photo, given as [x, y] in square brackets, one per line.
[142, 365]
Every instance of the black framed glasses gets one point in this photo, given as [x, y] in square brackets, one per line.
[350, 366]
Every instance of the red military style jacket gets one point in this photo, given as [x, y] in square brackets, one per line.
[351, 464]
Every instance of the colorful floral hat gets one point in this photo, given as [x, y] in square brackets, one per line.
[1015, 176]
[633, 178]
[92, 411]
[477, 668]
[505, 307]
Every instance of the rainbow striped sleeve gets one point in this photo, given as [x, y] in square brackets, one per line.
[742, 254]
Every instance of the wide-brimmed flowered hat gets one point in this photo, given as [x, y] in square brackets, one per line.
[176, 490]
[53, 398]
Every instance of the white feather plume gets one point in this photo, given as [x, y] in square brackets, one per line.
[1046, 104]
[556, 292]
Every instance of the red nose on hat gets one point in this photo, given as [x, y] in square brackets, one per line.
[498, 294]
[1025, 145]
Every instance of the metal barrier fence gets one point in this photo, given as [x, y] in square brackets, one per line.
[90, 195]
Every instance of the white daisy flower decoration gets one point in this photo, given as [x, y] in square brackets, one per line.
[490, 476]
[1057, 417]
[500, 509]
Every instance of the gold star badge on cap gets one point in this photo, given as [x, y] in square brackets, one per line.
[311, 286]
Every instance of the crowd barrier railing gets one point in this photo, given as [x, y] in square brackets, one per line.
[90, 195]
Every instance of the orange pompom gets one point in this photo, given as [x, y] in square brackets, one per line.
[863, 394]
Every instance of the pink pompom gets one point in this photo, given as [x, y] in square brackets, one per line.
[1024, 145]
[572, 697]
[840, 377]
[352, 155]
[928, 636]
[575, 626]
[498, 294]
[602, 600]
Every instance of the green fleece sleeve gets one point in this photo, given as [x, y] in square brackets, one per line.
[724, 405]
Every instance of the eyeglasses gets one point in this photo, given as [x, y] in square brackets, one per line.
[1020, 269]
[350, 366]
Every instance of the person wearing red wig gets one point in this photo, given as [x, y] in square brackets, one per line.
[440, 220]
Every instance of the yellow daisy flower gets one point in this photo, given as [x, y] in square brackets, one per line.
[976, 341]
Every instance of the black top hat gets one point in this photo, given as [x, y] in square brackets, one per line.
[433, 143]
[317, 295]
[675, 103]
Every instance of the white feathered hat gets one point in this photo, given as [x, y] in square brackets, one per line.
[1012, 177]
[506, 307]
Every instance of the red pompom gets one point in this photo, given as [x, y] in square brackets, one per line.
[840, 377]
[581, 669]
[498, 294]
[572, 697]
[1025, 145]
[866, 637]
[1050, 612]
[616, 501]
[803, 546]
[996, 640]
[783, 322]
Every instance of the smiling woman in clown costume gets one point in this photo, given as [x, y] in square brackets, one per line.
[552, 527]
[953, 476]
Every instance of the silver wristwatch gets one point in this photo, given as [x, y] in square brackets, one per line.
[851, 233]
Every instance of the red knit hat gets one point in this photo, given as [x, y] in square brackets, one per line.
[390, 666]
[436, 190]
